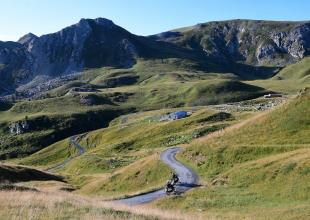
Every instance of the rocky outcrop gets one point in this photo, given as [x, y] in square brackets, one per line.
[250, 42]
[265, 52]
[295, 42]
[28, 40]
[91, 43]
[87, 100]
[19, 127]
[87, 44]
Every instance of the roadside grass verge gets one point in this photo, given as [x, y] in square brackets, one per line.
[261, 164]
[61, 205]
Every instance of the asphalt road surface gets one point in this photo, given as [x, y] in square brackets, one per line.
[188, 179]
[77, 146]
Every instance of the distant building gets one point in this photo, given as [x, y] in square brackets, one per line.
[175, 116]
[272, 95]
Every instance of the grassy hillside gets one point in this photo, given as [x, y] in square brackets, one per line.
[45, 129]
[299, 71]
[259, 164]
[12, 174]
[100, 95]
[242, 167]
[112, 165]
[61, 205]
[289, 80]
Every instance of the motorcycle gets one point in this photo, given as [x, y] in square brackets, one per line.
[171, 185]
[170, 189]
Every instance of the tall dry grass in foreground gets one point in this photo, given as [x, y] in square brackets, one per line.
[62, 205]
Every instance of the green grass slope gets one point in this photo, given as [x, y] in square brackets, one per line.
[299, 71]
[13, 174]
[289, 80]
[48, 126]
[149, 85]
[112, 164]
[259, 164]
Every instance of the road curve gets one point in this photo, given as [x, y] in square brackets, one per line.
[188, 179]
[81, 150]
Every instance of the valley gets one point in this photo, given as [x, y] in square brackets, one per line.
[87, 127]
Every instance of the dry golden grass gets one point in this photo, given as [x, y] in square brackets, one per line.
[62, 205]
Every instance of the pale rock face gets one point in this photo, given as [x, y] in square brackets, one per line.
[28, 40]
[19, 127]
[60, 53]
[296, 42]
[63, 52]
[249, 42]
[264, 52]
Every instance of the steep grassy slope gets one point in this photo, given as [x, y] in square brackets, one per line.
[140, 131]
[260, 164]
[100, 95]
[12, 174]
[112, 164]
[299, 71]
[49, 121]
[289, 80]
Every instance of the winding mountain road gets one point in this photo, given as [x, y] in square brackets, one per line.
[188, 179]
[81, 150]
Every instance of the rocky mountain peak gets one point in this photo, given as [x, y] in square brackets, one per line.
[94, 43]
[104, 22]
[28, 41]
[27, 38]
[99, 21]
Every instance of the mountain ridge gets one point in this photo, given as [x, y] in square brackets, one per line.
[240, 46]
[226, 38]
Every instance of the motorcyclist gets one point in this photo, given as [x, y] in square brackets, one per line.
[175, 179]
[169, 187]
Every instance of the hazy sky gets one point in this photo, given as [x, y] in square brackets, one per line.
[142, 17]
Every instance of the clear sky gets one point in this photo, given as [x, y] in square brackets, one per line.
[142, 17]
